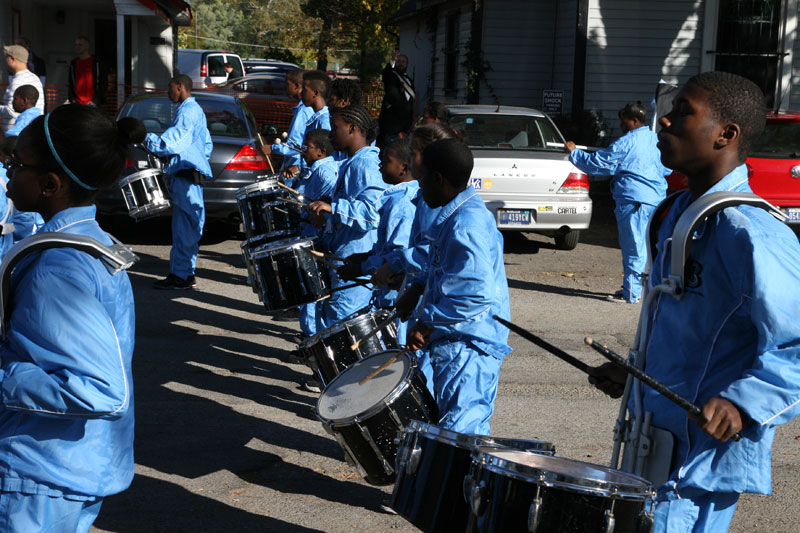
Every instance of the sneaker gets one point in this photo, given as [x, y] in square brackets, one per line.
[616, 297]
[311, 385]
[295, 358]
[173, 282]
[289, 315]
[386, 506]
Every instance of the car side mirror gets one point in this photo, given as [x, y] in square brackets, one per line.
[270, 130]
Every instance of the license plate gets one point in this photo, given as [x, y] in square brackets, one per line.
[513, 216]
[792, 214]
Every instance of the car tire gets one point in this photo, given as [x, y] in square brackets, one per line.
[568, 240]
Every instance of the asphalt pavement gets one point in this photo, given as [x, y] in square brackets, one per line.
[227, 441]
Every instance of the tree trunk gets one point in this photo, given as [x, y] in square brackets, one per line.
[324, 40]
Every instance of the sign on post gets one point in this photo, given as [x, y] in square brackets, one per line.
[552, 102]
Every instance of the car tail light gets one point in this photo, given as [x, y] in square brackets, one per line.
[576, 183]
[203, 70]
[247, 159]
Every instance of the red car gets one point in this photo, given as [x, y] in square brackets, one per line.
[773, 165]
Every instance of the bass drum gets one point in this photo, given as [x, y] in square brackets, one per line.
[431, 465]
[365, 419]
[510, 490]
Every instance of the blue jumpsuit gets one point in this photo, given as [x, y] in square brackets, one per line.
[314, 183]
[66, 390]
[465, 286]
[188, 142]
[297, 133]
[24, 118]
[638, 186]
[319, 120]
[394, 233]
[351, 228]
[734, 334]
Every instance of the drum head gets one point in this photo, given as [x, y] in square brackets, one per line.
[283, 244]
[355, 319]
[136, 176]
[344, 399]
[258, 186]
[566, 473]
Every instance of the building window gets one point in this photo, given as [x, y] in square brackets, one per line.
[451, 53]
[748, 42]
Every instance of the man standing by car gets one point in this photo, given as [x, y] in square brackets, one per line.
[187, 142]
[16, 57]
[87, 76]
[397, 109]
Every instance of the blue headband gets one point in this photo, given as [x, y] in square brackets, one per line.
[58, 159]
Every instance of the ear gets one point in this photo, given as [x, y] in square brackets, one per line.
[730, 134]
[51, 184]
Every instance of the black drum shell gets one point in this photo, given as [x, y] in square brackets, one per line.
[266, 216]
[332, 353]
[507, 502]
[431, 497]
[289, 275]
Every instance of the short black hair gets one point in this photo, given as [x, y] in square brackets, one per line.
[735, 99]
[437, 110]
[452, 159]
[346, 89]
[634, 111]
[318, 80]
[29, 93]
[296, 76]
[321, 139]
[399, 149]
[183, 80]
[426, 134]
[359, 116]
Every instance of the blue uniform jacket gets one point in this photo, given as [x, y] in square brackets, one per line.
[735, 333]
[353, 224]
[413, 259]
[66, 391]
[187, 140]
[318, 181]
[466, 277]
[634, 161]
[297, 134]
[320, 120]
[24, 118]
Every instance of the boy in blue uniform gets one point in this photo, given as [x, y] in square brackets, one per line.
[638, 186]
[189, 146]
[731, 344]
[24, 103]
[315, 90]
[465, 287]
[301, 113]
[394, 230]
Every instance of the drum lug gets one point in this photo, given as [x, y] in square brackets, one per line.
[535, 511]
[378, 453]
[413, 460]
[474, 493]
[609, 520]
[647, 518]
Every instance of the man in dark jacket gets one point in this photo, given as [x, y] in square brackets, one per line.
[398, 100]
[87, 76]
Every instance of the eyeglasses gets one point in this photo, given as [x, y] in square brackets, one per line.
[12, 164]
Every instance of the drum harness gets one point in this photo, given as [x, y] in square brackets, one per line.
[115, 258]
[647, 448]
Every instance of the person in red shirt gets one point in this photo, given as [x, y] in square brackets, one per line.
[87, 76]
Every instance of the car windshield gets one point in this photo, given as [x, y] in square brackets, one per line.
[225, 119]
[509, 132]
[780, 140]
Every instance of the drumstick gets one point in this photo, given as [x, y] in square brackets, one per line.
[289, 189]
[538, 341]
[269, 161]
[295, 202]
[384, 366]
[648, 380]
[372, 332]
[327, 256]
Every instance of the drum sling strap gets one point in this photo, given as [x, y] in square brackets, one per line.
[7, 228]
[115, 258]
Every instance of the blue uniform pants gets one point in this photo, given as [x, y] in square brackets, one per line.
[23, 513]
[632, 218]
[694, 511]
[341, 303]
[308, 319]
[188, 217]
[464, 385]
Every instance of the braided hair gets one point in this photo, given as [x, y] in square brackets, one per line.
[346, 89]
[734, 99]
[359, 116]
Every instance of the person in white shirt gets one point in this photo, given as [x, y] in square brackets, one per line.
[17, 62]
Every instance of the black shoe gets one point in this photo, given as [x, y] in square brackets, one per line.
[289, 315]
[311, 385]
[386, 506]
[173, 282]
[295, 358]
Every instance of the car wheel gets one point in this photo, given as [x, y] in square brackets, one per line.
[568, 240]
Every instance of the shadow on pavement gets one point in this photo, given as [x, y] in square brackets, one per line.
[552, 289]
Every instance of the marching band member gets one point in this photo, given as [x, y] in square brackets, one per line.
[66, 391]
[731, 343]
[301, 113]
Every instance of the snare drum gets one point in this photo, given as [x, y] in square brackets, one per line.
[265, 213]
[431, 465]
[510, 490]
[145, 193]
[328, 352]
[289, 275]
[365, 419]
[252, 275]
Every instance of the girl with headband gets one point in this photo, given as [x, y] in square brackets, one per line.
[66, 391]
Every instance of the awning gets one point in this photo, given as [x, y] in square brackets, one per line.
[175, 12]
